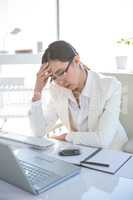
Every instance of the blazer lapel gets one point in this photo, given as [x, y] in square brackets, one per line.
[95, 102]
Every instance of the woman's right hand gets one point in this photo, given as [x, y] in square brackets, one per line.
[41, 79]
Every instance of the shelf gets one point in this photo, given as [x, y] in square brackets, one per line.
[25, 58]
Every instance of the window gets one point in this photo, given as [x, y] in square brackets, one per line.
[94, 26]
[37, 21]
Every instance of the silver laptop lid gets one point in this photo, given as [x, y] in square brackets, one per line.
[10, 170]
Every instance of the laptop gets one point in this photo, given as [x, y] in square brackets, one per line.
[33, 171]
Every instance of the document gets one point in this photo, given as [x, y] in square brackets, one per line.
[106, 160]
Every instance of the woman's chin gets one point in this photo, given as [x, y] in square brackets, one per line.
[72, 87]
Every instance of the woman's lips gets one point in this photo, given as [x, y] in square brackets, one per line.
[67, 85]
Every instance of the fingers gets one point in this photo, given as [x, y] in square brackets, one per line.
[44, 66]
[44, 72]
[43, 77]
[59, 137]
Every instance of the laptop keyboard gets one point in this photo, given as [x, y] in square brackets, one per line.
[35, 174]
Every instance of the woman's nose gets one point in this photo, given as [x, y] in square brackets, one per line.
[60, 82]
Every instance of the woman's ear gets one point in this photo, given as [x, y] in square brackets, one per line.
[77, 59]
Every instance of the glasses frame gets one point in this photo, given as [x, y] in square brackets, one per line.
[53, 77]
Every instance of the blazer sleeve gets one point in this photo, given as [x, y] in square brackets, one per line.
[107, 125]
[42, 119]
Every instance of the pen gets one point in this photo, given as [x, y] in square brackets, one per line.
[95, 163]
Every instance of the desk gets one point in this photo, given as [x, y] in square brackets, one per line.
[89, 184]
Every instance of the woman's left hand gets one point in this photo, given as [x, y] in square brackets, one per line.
[59, 137]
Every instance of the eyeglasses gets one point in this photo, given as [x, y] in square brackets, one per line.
[59, 74]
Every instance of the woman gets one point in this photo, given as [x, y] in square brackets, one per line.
[86, 102]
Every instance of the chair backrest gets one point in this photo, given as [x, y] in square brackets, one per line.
[126, 115]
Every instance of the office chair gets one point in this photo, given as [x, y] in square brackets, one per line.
[126, 115]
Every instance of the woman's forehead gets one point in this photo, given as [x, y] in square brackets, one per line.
[56, 64]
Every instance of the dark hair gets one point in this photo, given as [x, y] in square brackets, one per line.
[59, 50]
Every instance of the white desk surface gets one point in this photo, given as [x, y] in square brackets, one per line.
[88, 185]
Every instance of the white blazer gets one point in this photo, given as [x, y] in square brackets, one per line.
[105, 129]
